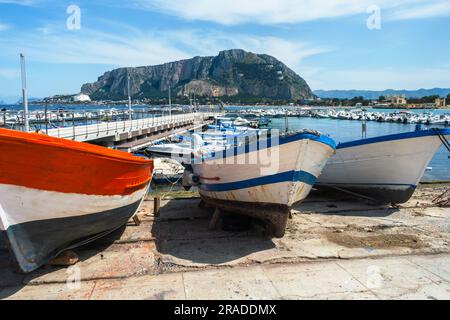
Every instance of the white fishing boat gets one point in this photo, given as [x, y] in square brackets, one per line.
[386, 169]
[265, 177]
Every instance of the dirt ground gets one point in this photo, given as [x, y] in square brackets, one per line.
[326, 227]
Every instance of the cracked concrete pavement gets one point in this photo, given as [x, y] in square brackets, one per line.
[335, 247]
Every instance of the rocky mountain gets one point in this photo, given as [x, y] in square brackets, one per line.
[232, 73]
[374, 95]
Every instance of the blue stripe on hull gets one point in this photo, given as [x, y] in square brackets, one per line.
[289, 176]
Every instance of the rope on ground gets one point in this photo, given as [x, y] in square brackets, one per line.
[173, 184]
[443, 199]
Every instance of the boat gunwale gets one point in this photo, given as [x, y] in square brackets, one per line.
[39, 139]
[394, 137]
[283, 139]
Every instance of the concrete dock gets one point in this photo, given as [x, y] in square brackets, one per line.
[336, 247]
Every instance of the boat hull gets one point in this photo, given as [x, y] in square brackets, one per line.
[63, 194]
[385, 169]
[267, 194]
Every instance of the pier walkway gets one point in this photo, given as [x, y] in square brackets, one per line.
[127, 134]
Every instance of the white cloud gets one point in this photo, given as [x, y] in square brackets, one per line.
[230, 12]
[20, 2]
[4, 27]
[137, 48]
[93, 47]
[428, 10]
[8, 73]
[291, 52]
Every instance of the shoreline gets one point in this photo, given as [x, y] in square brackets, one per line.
[137, 104]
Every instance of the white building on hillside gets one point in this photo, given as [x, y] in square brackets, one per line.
[81, 97]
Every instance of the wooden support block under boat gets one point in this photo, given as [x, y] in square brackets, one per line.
[136, 220]
[156, 206]
[275, 216]
[215, 220]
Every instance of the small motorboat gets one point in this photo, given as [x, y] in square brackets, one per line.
[385, 169]
[184, 151]
[168, 150]
[58, 194]
[241, 122]
[263, 177]
[167, 171]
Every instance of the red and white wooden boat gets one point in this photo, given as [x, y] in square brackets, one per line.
[58, 194]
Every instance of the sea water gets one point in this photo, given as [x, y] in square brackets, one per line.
[350, 130]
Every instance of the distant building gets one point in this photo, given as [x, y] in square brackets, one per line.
[396, 99]
[440, 103]
[81, 97]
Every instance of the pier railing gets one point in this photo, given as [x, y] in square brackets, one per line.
[106, 129]
[101, 124]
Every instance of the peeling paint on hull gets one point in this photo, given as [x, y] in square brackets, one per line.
[252, 190]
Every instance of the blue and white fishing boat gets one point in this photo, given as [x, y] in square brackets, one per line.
[263, 177]
[386, 169]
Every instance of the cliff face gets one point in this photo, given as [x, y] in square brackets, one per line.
[231, 73]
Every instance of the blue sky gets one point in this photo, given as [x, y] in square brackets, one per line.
[327, 42]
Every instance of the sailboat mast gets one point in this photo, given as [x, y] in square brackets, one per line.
[24, 92]
[170, 102]
[129, 99]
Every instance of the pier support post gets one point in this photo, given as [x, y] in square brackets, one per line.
[156, 206]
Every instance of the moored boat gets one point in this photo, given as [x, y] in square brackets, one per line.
[264, 178]
[57, 194]
[167, 170]
[386, 169]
